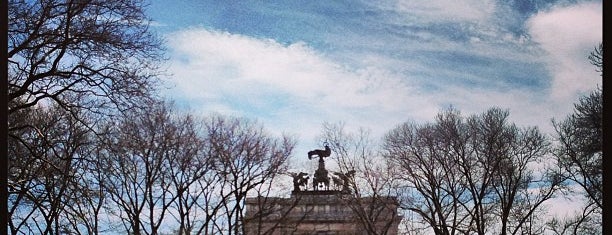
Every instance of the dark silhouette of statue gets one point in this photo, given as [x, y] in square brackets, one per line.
[321, 179]
[338, 183]
[343, 180]
[320, 152]
[299, 180]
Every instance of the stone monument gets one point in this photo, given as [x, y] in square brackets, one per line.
[324, 209]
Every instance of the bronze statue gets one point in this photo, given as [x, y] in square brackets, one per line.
[344, 179]
[299, 180]
[321, 179]
[338, 183]
[320, 152]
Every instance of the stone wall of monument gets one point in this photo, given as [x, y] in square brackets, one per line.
[321, 212]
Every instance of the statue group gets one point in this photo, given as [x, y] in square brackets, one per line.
[342, 180]
[321, 179]
[300, 180]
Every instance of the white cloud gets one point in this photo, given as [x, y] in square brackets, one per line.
[294, 88]
[290, 88]
[238, 63]
[568, 35]
[526, 108]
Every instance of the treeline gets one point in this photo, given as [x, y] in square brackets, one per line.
[92, 149]
[148, 171]
[157, 168]
[481, 174]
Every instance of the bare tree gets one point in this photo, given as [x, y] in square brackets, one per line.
[204, 200]
[580, 150]
[473, 175]
[89, 58]
[47, 147]
[186, 171]
[183, 167]
[435, 186]
[84, 215]
[138, 165]
[245, 157]
[369, 183]
[580, 155]
[596, 58]
[582, 222]
[90, 54]
[518, 190]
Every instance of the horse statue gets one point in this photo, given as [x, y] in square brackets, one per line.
[344, 179]
[338, 183]
[299, 180]
[320, 152]
[321, 180]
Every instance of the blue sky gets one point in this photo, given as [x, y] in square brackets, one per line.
[374, 64]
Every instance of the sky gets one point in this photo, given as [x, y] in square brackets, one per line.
[293, 65]
[376, 64]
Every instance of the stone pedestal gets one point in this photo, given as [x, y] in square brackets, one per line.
[321, 212]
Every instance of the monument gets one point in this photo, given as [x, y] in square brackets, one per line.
[320, 208]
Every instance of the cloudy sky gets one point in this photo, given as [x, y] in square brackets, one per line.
[375, 64]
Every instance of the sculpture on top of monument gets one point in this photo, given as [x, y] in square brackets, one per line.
[321, 179]
[320, 152]
[299, 180]
[343, 179]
